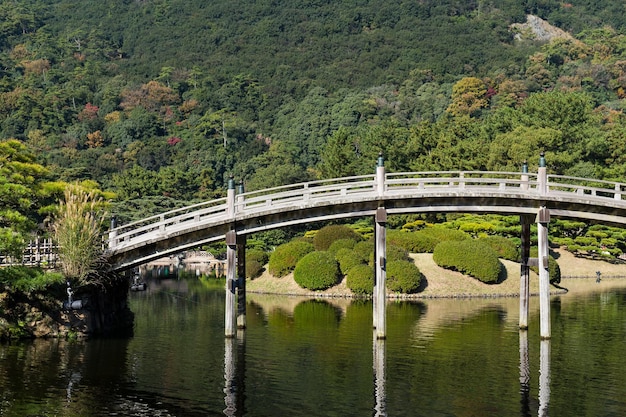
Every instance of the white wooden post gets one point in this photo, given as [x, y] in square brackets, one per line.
[230, 327]
[380, 256]
[543, 218]
[524, 292]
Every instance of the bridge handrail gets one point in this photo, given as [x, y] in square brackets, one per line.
[347, 189]
[307, 191]
[169, 214]
[559, 183]
[450, 178]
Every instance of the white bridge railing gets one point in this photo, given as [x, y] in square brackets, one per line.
[361, 188]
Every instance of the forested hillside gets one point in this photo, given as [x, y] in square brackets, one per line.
[160, 101]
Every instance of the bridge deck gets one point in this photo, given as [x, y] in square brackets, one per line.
[405, 192]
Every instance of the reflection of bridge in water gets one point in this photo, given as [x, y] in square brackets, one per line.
[429, 322]
[534, 197]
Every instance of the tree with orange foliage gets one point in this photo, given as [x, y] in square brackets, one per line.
[469, 96]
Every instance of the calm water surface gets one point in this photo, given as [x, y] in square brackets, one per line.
[303, 357]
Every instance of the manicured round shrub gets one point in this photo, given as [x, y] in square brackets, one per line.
[255, 260]
[470, 257]
[328, 234]
[360, 279]
[403, 277]
[341, 243]
[348, 259]
[317, 271]
[364, 250]
[396, 253]
[505, 248]
[285, 257]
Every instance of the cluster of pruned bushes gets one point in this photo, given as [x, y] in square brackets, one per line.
[336, 251]
[324, 257]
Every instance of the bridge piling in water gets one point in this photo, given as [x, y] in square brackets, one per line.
[230, 328]
[380, 256]
[543, 219]
[524, 293]
[241, 282]
[379, 313]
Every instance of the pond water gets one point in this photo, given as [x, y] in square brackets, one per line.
[319, 358]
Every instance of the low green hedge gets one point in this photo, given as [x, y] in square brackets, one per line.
[424, 240]
[470, 257]
[284, 259]
[348, 259]
[360, 279]
[403, 277]
[317, 271]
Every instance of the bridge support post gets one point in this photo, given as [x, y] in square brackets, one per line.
[230, 328]
[524, 290]
[380, 256]
[543, 218]
[241, 282]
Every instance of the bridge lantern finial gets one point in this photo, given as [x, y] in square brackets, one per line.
[381, 160]
[113, 221]
[231, 183]
[525, 167]
[240, 188]
[542, 160]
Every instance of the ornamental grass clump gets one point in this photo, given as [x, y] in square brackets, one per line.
[470, 257]
[317, 271]
[284, 259]
[77, 231]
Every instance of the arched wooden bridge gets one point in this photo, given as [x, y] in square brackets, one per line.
[533, 196]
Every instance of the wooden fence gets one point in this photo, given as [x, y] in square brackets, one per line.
[39, 252]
